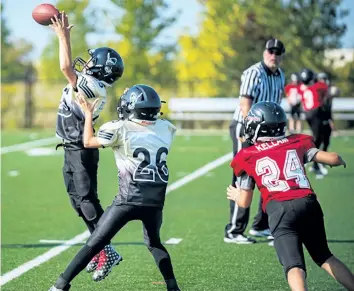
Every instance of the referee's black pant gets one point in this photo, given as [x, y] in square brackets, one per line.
[239, 216]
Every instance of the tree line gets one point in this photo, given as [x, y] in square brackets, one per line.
[231, 36]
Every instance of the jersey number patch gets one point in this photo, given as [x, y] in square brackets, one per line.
[270, 172]
[151, 172]
[308, 99]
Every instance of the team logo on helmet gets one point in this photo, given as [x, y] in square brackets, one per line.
[109, 63]
[133, 98]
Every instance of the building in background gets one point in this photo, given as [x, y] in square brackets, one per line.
[339, 57]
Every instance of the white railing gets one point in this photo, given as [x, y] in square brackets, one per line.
[223, 108]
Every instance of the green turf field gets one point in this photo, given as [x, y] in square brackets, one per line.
[35, 206]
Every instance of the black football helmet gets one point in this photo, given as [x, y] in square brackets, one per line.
[307, 76]
[140, 102]
[105, 64]
[324, 77]
[265, 121]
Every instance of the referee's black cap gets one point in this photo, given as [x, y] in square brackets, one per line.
[274, 43]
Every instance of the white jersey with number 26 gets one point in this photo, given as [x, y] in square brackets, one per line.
[140, 148]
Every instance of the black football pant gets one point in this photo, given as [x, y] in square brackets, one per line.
[80, 177]
[296, 111]
[321, 130]
[239, 216]
[315, 122]
[113, 219]
[326, 132]
[294, 223]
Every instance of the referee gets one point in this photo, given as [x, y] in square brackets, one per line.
[264, 81]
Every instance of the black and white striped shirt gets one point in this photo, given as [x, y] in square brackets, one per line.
[259, 83]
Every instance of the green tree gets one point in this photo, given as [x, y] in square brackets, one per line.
[318, 26]
[343, 78]
[240, 29]
[202, 58]
[14, 54]
[140, 26]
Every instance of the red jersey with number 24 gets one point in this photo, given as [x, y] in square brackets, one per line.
[278, 167]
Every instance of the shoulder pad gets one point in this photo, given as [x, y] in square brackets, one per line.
[90, 87]
[170, 126]
[108, 134]
[112, 125]
[301, 137]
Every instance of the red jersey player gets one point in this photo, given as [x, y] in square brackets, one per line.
[314, 95]
[276, 163]
[293, 96]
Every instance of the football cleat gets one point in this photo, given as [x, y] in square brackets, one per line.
[108, 259]
[239, 239]
[261, 233]
[92, 265]
[322, 169]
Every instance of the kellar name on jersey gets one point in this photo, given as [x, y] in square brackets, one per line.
[268, 145]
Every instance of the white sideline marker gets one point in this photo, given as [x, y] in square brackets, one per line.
[173, 241]
[53, 252]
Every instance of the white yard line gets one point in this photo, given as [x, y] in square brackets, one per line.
[29, 145]
[53, 252]
[53, 241]
[17, 272]
[200, 172]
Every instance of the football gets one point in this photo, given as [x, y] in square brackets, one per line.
[43, 13]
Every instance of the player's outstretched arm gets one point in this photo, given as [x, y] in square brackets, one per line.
[329, 158]
[89, 140]
[62, 28]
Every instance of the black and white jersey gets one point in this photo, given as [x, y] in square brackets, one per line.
[259, 83]
[70, 117]
[140, 148]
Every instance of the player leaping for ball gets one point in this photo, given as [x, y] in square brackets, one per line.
[104, 67]
[276, 163]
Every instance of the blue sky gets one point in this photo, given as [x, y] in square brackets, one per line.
[189, 19]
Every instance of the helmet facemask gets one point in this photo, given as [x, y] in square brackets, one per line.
[91, 68]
